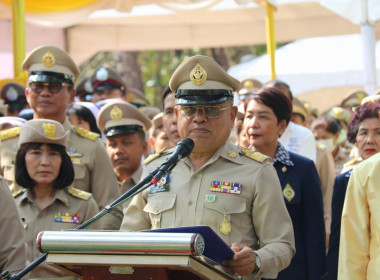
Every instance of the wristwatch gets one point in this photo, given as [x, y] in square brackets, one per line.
[257, 262]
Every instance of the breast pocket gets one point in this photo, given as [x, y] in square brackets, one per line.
[161, 210]
[225, 216]
[79, 171]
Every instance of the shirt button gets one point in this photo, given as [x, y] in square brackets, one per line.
[156, 210]
[189, 203]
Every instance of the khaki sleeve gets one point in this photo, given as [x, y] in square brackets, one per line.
[272, 224]
[105, 188]
[326, 171]
[12, 241]
[355, 229]
[135, 218]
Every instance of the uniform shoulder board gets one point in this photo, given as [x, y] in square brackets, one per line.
[86, 133]
[18, 193]
[150, 158]
[79, 193]
[10, 133]
[254, 155]
[320, 146]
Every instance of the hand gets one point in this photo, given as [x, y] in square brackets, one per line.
[243, 262]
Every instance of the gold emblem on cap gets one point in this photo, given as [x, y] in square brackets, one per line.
[116, 113]
[198, 75]
[248, 84]
[48, 59]
[49, 130]
[225, 226]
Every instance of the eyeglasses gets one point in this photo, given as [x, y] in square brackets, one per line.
[209, 111]
[38, 87]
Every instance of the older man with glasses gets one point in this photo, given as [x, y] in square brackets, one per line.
[49, 92]
[233, 190]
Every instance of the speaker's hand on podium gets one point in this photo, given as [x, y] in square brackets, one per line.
[243, 262]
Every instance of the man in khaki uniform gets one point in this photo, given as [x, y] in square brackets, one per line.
[49, 92]
[107, 84]
[124, 127]
[12, 241]
[233, 190]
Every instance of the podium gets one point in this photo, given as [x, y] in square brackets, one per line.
[122, 256]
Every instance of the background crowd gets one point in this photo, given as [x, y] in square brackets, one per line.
[69, 148]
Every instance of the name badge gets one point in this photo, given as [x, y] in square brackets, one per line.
[161, 186]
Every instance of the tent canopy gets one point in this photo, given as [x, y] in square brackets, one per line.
[332, 65]
[154, 27]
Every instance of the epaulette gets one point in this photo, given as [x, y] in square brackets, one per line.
[254, 155]
[320, 146]
[152, 157]
[18, 193]
[79, 193]
[10, 133]
[86, 133]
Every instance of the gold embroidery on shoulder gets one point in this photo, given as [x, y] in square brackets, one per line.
[18, 193]
[79, 193]
[10, 133]
[86, 133]
[152, 157]
[254, 155]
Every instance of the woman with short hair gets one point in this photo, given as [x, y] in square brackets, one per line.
[48, 202]
[267, 114]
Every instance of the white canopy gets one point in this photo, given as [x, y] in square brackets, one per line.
[314, 64]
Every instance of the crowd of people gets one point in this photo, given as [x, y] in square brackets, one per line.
[290, 191]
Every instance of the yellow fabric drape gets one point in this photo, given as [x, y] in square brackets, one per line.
[49, 6]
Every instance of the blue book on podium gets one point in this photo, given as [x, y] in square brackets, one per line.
[215, 248]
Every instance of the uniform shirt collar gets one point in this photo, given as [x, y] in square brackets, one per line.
[59, 195]
[282, 156]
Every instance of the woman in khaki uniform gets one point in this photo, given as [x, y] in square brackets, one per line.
[45, 170]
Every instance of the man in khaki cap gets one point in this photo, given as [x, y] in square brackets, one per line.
[233, 190]
[107, 84]
[49, 91]
[124, 127]
[248, 86]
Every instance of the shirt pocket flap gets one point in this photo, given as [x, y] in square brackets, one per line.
[227, 205]
[160, 203]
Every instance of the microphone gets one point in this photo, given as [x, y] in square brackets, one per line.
[183, 149]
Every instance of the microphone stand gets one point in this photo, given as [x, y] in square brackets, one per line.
[142, 185]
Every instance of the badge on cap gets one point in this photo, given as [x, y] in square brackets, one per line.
[198, 75]
[49, 130]
[288, 192]
[48, 59]
[248, 84]
[116, 113]
[102, 74]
